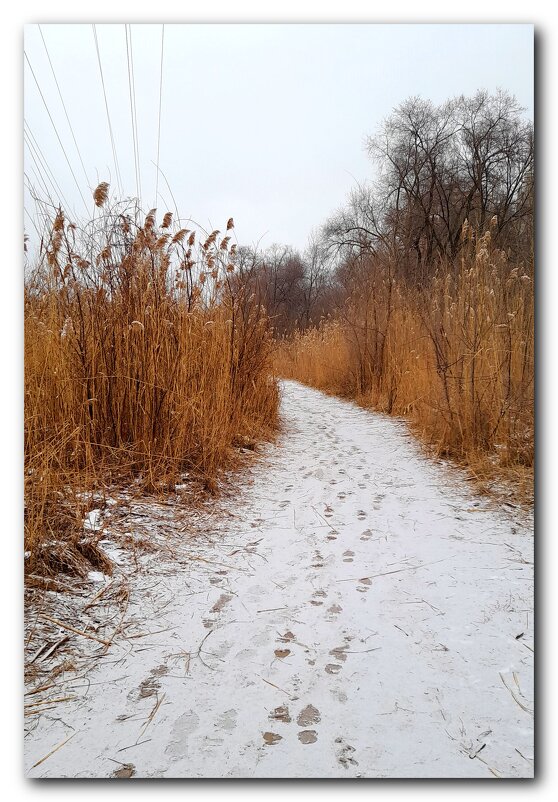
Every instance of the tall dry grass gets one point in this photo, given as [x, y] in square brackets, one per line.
[142, 361]
[455, 355]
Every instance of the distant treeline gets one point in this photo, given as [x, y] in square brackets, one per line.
[469, 159]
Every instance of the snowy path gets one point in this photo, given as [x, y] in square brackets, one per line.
[364, 615]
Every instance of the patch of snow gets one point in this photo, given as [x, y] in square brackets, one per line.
[96, 576]
[93, 521]
[113, 552]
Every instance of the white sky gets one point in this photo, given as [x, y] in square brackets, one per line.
[265, 123]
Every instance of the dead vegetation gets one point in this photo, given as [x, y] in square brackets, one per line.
[455, 355]
[88, 621]
[144, 361]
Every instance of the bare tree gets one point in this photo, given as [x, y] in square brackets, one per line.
[466, 159]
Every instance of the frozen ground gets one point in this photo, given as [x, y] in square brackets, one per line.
[355, 612]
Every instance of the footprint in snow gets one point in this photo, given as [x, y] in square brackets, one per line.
[223, 599]
[184, 726]
[227, 720]
[281, 714]
[287, 637]
[333, 611]
[160, 671]
[339, 653]
[271, 738]
[348, 556]
[125, 771]
[308, 715]
[345, 754]
[150, 685]
[318, 560]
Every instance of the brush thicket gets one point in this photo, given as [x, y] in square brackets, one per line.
[142, 361]
[455, 355]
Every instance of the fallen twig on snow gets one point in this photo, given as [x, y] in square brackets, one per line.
[75, 631]
[56, 748]
[521, 705]
[396, 571]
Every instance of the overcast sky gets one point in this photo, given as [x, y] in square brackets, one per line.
[265, 123]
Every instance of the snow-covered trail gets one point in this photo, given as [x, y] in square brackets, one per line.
[357, 613]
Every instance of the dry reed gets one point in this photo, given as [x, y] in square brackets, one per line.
[455, 355]
[142, 361]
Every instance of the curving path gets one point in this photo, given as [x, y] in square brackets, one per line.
[356, 612]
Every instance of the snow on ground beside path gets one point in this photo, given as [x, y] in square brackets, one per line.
[357, 612]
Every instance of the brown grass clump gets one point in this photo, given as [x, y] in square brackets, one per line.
[455, 356]
[136, 367]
